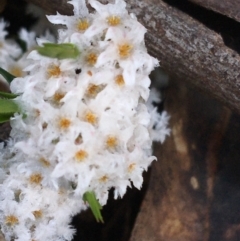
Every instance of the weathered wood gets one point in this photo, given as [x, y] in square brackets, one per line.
[186, 48]
[230, 8]
[2, 5]
[194, 190]
[52, 6]
[190, 51]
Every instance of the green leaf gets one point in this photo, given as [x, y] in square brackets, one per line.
[59, 51]
[7, 95]
[9, 77]
[95, 206]
[5, 117]
[8, 107]
[22, 44]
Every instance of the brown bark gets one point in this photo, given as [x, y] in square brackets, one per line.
[52, 6]
[190, 51]
[186, 48]
[229, 8]
[194, 193]
[2, 5]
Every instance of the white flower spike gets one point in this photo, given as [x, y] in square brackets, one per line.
[84, 126]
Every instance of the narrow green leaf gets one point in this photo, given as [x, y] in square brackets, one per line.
[7, 95]
[9, 77]
[8, 107]
[95, 206]
[22, 44]
[5, 117]
[59, 51]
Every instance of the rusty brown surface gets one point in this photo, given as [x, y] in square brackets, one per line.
[194, 189]
[230, 8]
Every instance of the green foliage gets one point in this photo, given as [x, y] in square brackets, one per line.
[59, 51]
[9, 77]
[95, 206]
[5, 117]
[22, 44]
[7, 109]
[7, 95]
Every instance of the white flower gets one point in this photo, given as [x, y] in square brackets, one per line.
[9, 51]
[84, 125]
[29, 38]
[118, 9]
[159, 122]
[16, 64]
[3, 31]
[111, 15]
[127, 49]
[78, 23]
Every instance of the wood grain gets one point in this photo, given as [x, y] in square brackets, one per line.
[194, 188]
[229, 8]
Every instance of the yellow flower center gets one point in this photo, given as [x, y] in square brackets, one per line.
[91, 58]
[125, 50]
[44, 162]
[93, 90]
[16, 71]
[54, 71]
[64, 123]
[11, 220]
[58, 96]
[113, 20]
[37, 213]
[119, 80]
[103, 178]
[81, 155]
[35, 178]
[111, 142]
[90, 117]
[131, 167]
[82, 24]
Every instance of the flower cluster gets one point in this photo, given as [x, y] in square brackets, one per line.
[12, 57]
[84, 126]
[9, 50]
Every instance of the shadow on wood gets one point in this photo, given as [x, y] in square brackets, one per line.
[194, 190]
